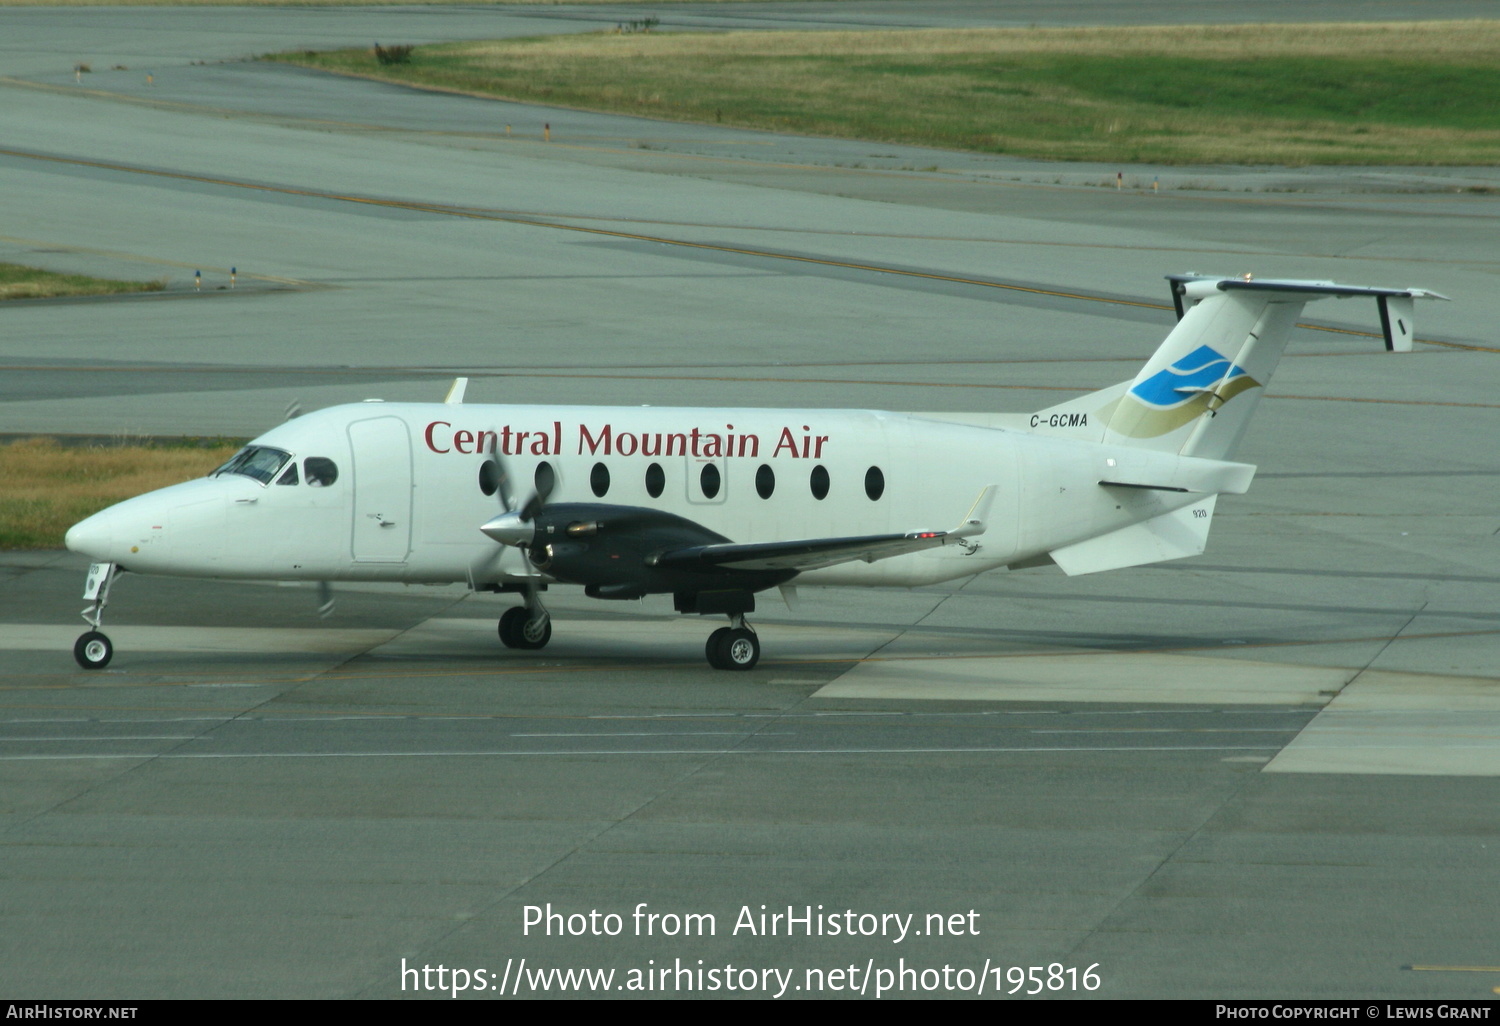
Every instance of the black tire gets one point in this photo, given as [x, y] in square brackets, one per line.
[714, 649]
[93, 651]
[740, 650]
[510, 627]
[519, 630]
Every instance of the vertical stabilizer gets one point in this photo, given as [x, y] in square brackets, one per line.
[1196, 394]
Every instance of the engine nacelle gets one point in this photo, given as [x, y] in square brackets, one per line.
[606, 549]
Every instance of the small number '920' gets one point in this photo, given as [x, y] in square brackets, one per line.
[1057, 977]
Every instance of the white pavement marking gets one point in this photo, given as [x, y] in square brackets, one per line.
[320, 641]
[1402, 723]
[1096, 677]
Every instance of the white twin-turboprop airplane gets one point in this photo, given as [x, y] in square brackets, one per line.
[715, 505]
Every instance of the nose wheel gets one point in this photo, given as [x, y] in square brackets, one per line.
[733, 648]
[93, 650]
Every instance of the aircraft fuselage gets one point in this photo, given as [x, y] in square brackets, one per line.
[408, 492]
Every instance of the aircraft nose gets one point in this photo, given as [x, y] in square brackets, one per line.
[93, 536]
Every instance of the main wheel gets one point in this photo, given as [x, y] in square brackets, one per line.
[519, 630]
[740, 650]
[714, 650]
[729, 648]
[93, 651]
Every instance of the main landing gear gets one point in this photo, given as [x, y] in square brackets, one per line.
[93, 650]
[523, 627]
[734, 647]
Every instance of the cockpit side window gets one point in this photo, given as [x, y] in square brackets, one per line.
[320, 471]
[289, 476]
[260, 462]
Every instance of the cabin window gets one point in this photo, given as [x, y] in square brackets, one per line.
[289, 476]
[765, 481]
[656, 480]
[874, 483]
[260, 462]
[710, 480]
[818, 482]
[599, 479]
[489, 477]
[545, 478]
[320, 471]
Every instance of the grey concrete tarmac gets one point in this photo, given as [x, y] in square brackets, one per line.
[1267, 772]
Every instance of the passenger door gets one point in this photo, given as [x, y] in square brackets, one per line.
[382, 490]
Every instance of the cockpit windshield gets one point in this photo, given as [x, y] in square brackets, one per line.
[258, 461]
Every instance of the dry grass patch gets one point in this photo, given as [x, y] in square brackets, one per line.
[19, 282]
[1417, 93]
[50, 487]
[1429, 40]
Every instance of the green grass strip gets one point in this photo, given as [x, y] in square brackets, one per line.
[19, 282]
[1414, 93]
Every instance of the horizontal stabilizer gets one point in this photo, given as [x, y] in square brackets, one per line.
[1396, 305]
[1170, 473]
[1174, 535]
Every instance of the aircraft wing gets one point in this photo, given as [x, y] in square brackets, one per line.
[816, 553]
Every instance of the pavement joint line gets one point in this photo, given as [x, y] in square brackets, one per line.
[95, 737]
[452, 211]
[331, 715]
[696, 752]
[1237, 254]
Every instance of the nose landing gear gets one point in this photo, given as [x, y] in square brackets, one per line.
[93, 650]
[735, 647]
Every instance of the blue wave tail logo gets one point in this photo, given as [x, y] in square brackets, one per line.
[1200, 382]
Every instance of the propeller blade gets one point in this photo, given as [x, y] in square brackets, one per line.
[532, 508]
[546, 484]
[503, 485]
